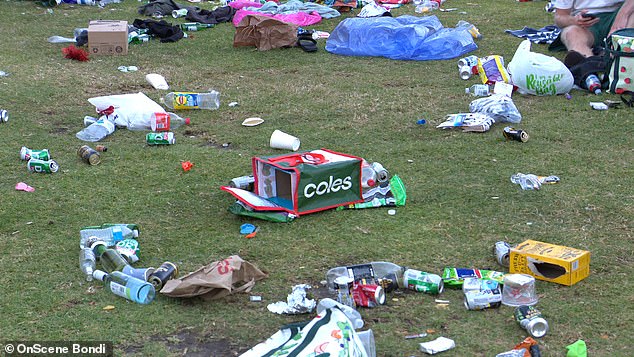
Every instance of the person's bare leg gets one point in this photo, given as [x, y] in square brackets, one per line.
[578, 39]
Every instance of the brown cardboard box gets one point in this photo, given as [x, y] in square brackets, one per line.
[108, 37]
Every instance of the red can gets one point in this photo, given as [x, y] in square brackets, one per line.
[368, 295]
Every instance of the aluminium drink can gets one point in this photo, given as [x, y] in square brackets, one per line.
[162, 274]
[502, 251]
[471, 61]
[162, 138]
[480, 300]
[27, 154]
[43, 166]
[531, 319]
[511, 133]
[89, 155]
[421, 281]
[243, 182]
[368, 295]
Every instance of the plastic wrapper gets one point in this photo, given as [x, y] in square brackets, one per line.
[296, 302]
[454, 277]
[402, 38]
[477, 122]
[491, 69]
[498, 106]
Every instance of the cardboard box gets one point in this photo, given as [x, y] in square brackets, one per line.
[108, 37]
[549, 262]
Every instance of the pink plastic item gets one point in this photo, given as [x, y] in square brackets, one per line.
[21, 186]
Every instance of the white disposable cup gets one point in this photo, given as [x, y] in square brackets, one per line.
[367, 338]
[157, 81]
[281, 140]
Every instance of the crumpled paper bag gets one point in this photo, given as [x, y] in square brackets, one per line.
[216, 280]
[264, 33]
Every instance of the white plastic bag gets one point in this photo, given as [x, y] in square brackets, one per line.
[538, 74]
[133, 111]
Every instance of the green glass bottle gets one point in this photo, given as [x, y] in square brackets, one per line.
[195, 26]
[110, 259]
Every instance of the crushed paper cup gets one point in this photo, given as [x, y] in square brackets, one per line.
[157, 81]
[252, 121]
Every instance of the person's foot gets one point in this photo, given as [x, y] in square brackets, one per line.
[573, 58]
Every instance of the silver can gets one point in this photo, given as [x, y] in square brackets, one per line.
[243, 182]
[480, 300]
[470, 61]
[465, 72]
[381, 173]
[502, 251]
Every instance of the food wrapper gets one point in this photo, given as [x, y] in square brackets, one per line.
[454, 277]
[491, 70]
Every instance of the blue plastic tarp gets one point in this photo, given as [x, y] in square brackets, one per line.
[401, 38]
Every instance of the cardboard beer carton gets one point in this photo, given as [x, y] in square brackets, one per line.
[550, 262]
[108, 37]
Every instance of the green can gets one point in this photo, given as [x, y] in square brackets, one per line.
[27, 154]
[163, 138]
[424, 282]
[43, 166]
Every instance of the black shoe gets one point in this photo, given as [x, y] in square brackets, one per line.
[573, 58]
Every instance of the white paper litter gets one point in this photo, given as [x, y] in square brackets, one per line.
[296, 302]
[440, 344]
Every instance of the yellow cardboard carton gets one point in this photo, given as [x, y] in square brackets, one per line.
[108, 37]
[550, 262]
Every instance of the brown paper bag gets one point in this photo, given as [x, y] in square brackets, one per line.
[265, 33]
[216, 280]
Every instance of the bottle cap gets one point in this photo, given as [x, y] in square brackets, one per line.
[187, 121]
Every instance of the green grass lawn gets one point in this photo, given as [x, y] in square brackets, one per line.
[460, 199]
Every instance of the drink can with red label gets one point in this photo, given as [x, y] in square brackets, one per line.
[368, 295]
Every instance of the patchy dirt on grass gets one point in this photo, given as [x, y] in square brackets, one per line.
[191, 343]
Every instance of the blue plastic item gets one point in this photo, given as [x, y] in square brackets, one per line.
[401, 38]
[247, 228]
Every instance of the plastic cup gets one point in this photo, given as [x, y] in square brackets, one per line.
[281, 140]
[367, 338]
[519, 289]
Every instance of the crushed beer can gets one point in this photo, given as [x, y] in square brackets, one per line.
[161, 138]
[502, 251]
[89, 155]
[42, 166]
[423, 282]
[28, 154]
[368, 295]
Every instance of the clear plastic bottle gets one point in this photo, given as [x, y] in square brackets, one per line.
[109, 235]
[478, 90]
[475, 33]
[126, 286]
[191, 100]
[97, 130]
[376, 270]
[110, 259]
[167, 121]
[368, 175]
[593, 84]
[87, 262]
[526, 181]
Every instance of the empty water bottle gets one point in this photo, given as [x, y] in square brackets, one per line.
[478, 90]
[109, 235]
[97, 130]
[87, 262]
[526, 181]
[191, 100]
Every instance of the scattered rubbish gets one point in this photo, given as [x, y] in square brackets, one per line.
[74, 53]
[409, 337]
[282, 140]
[42, 166]
[421, 281]
[98, 130]
[161, 121]
[296, 302]
[531, 320]
[526, 181]
[478, 90]
[126, 286]
[577, 349]
[529, 344]
[28, 154]
[539, 74]
[391, 212]
[243, 182]
[216, 280]
[469, 27]
[511, 133]
[89, 155]
[421, 121]
[164, 138]
[4, 116]
[247, 228]
[87, 262]
[192, 100]
[252, 121]
[179, 13]
[186, 165]
[438, 345]
[599, 106]
[519, 289]
[160, 276]
[480, 294]
[471, 61]
[233, 104]
[474, 122]
[368, 295]
[157, 81]
[386, 274]
[502, 252]
[454, 277]
[4, 74]
[255, 298]
[343, 290]
[21, 186]
[491, 69]
[195, 26]
[498, 106]
[128, 68]
[550, 262]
